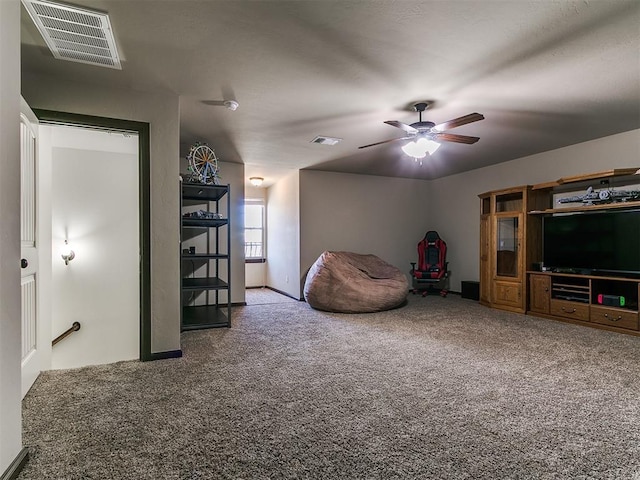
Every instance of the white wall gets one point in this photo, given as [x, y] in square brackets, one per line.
[161, 111]
[95, 206]
[383, 216]
[255, 192]
[454, 207]
[10, 335]
[255, 273]
[283, 235]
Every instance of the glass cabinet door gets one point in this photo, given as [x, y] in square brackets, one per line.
[507, 246]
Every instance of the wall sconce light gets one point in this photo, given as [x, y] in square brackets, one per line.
[66, 253]
[256, 181]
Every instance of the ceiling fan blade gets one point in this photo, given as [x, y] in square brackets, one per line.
[452, 137]
[385, 141]
[403, 126]
[457, 122]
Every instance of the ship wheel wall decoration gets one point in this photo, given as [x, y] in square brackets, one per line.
[203, 164]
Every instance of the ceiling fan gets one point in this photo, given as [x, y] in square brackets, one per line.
[426, 135]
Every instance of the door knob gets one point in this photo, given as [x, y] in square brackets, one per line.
[24, 263]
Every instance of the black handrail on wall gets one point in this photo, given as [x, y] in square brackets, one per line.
[74, 328]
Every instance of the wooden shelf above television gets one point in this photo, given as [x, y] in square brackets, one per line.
[616, 172]
[586, 208]
[609, 179]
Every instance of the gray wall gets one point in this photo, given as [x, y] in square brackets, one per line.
[161, 111]
[383, 216]
[454, 207]
[10, 335]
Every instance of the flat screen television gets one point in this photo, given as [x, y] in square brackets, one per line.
[594, 243]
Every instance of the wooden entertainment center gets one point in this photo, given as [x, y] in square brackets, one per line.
[512, 274]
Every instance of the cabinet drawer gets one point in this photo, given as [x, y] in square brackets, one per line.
[567, 309]
[615, 317]
[508, 293]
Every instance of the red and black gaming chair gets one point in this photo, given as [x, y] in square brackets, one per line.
[432, 271]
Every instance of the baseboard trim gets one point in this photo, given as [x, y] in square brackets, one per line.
[12, 472]
[164, 355]
[283, 293]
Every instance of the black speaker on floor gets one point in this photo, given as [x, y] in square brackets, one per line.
[471, 290]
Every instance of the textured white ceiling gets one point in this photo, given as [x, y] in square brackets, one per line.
[545, 74]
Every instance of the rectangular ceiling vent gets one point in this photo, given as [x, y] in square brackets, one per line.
[74, 33]
[326, 140]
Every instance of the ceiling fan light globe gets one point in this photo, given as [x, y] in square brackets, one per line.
[413, 149]
[431, 146]
[427, 145]
[231, 105]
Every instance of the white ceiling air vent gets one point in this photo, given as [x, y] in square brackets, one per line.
[74, 33]
[326, 140]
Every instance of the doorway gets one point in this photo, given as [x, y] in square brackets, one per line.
[254, 244]
[95, 215]
[97, 253]
[255, 253]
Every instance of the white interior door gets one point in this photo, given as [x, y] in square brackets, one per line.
[32, 353]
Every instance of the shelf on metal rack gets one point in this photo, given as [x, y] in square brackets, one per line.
[204, 283]
[204, 316]
[201, 191]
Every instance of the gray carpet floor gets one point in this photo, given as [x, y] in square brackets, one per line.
[264, 296]
[441, 388]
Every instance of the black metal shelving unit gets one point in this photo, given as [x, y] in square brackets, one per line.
[206, 273]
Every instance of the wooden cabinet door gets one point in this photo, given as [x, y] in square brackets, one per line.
[485, 259]
[508, 294]
[539, 293]
[507, 245]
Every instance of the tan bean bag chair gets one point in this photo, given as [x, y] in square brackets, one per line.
[353, 283]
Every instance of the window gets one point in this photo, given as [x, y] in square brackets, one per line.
[254, 230]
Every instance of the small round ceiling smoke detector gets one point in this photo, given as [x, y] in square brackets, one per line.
[231, 104]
